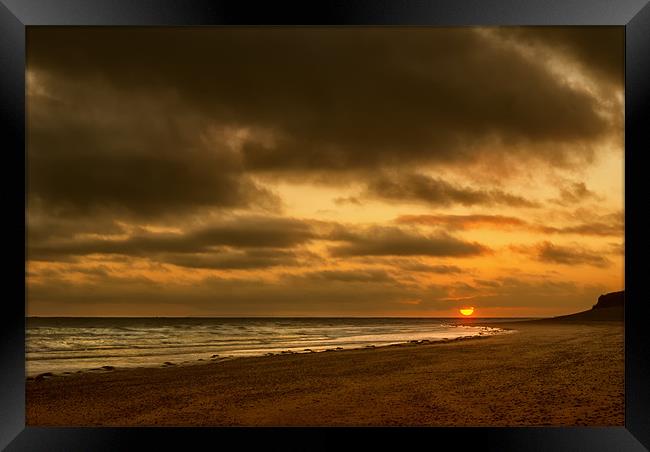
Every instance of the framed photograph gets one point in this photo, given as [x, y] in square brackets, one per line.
[269, 224]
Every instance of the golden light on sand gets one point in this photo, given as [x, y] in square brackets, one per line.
[466, 311]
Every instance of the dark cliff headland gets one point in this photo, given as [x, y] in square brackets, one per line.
[610, 307]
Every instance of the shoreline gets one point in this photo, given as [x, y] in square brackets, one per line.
[546, 374]
[39, 365]
[219, 359]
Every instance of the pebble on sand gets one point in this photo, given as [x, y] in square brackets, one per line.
[44, 375]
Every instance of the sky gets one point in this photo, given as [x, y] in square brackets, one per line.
[323, 171]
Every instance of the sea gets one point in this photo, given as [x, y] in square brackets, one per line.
[72, 344]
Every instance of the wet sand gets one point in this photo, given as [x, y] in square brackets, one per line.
[543, 373]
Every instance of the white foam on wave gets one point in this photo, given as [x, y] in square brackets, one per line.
[67, 345]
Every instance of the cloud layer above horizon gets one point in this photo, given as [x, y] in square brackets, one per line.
[323, 171]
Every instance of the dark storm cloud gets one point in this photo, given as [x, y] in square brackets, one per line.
[347, 276]
[233, 260]
[548, 252]
[575, 193]
[601, 225]
[41, 227]
[425, 268]
[600, 50]
[94, 151]
[347, 200]
[92, 271]
[257, 232]
[462, 221]
[249, 232]
[617, 248]
[487, 283]
[420, 188]
[313, 100]
[594, 228]
[390, 241]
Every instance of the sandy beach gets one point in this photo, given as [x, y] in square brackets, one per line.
[541, 373]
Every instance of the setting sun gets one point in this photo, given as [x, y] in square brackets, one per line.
[467, 311]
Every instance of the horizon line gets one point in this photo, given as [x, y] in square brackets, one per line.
[273, 317]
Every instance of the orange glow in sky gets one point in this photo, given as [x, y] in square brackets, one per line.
[501, 188]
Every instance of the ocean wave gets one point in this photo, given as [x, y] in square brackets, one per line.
[78, 344]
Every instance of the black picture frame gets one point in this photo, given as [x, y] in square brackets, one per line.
[16, 15]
